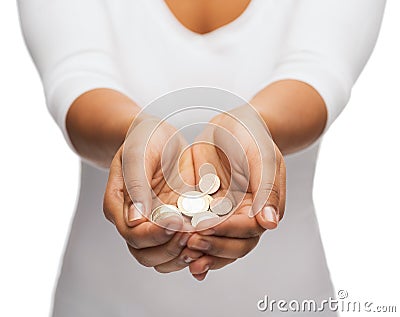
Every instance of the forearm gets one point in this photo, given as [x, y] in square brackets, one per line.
[294, 112]
[97, 123]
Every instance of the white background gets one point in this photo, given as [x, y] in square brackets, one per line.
[356, 188]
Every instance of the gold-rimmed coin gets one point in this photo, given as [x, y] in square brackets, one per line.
[209, 184]
[207, 168]
[193, 202]
[221, 206]
[197, 218]
[164, 211]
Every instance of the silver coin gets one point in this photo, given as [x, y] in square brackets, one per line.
[193, 202]
[197, 218]
[207, 168]
[163, 212]
[209, 184]
[221, 206]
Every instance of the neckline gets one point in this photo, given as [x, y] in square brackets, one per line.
[163, 9]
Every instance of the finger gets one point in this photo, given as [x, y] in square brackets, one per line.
[139, 167]
[238, 225]
[113, 200]
[229, 248]
[261, 156]
[132, 215]
[154, 256]
[208, 262]
[268, 215]
[282, 196]
[186, 257]
[149, 234]
[263, 181]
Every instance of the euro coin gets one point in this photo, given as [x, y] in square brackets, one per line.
[163, 212]
[209, 183]
[207, 168]
[197, 218]
[193, 202]
[221, 206]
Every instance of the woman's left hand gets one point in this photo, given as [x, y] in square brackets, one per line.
[252, 173]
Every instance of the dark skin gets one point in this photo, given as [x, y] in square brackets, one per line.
[97, 123]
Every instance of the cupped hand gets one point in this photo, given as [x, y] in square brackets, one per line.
[151, 174]
[253, 175]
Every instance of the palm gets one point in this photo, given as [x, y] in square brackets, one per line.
[173, 178]
[234, 182]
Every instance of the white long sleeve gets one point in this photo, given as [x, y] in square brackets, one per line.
[70, 42]
[77, 46]
[328, 45]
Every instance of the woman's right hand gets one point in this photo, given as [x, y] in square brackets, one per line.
[154, 160]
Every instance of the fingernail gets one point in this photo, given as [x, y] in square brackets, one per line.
[187, 259]
[206, 268]
[172, 228]
[135, 212]
[202, 245]
[184, 239]
[269, 214]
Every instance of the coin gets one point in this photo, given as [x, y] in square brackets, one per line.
[164, 211]
[221, 206]
[207, 168]
[197, 218]
[193, 202]
[209, 183]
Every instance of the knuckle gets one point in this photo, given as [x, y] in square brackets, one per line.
[154, 236]
[143, 260]
[273, 192]
[156, 239]
[172, 251]
[111, 194]
[214, 250]
[134, 185]
[131, 241]
[271, 188]
[146, 262]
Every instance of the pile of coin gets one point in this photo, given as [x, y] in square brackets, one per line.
[198, 205]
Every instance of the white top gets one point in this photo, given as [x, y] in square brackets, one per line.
[139, 48]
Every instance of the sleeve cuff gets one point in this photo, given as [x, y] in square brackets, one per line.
[67, 90]
[334, 90]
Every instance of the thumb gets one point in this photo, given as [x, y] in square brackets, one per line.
[136, 182]
[138, 169]
[265, 184]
